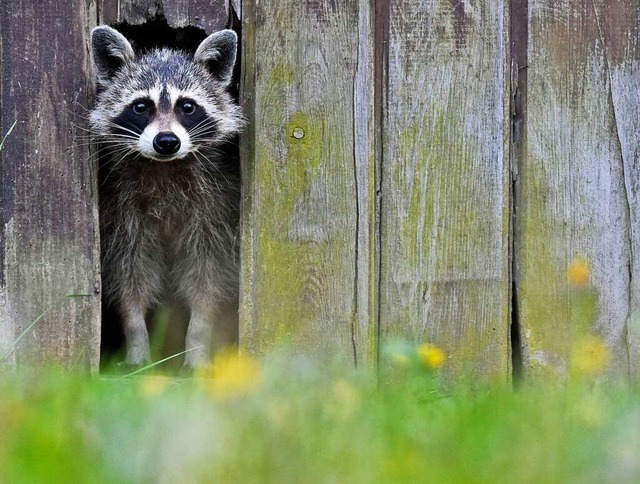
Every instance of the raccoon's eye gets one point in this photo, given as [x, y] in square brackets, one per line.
[188, 107]
[139, 107]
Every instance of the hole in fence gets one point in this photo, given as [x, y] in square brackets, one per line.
[168, 321]
[157, 33]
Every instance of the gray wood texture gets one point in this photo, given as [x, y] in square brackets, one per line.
[619, 31]
[309, 178]
[578, 184]
[445, 182]
[48, 243]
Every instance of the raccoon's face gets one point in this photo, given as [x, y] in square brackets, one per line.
[163, 105]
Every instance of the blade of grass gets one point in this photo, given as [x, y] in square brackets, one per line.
[14, 345]
[8, 133]
[75, 362]
[156, 363]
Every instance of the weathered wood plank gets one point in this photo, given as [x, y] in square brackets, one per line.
[210, 15]
[572, 199]
[621, 37]
[445, 182]
[49, 245]
[309, 178]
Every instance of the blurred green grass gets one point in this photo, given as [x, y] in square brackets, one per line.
[292, 419]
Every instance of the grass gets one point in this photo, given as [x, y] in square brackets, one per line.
[4, 138]
[289, 419]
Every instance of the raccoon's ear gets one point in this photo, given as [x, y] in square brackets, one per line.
[110, 52]
[218, 54]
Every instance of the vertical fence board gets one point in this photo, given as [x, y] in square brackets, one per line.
[309, 177]
[620, 33]
[572, 200]
[445, 181]
[49, 245]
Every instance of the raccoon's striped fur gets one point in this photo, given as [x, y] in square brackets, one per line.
[166, 129]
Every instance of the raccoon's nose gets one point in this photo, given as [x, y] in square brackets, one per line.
[166, 143]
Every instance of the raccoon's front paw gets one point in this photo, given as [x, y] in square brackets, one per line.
[195, 359]
[126, 368]
[137, 356]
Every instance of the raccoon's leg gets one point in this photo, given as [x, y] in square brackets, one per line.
[206, 277]
[135, 332]
[199, 332]
[200, 287]
[142, 287]
[134, 266]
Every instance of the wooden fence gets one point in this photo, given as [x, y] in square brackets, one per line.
[420, 169]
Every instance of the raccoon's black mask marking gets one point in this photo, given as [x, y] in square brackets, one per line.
[128, 120]
[197, 119]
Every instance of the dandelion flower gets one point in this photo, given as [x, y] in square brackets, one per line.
[234, 374]
[578, 273]
[430, 355]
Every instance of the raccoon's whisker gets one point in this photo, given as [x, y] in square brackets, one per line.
[210, 149]
[79, 105]
[124, 151]
[117, 163]
[115, 150]
[100, 151]
[201, 184]
[202, 127]
[201, 137]
[213, 165]
[205, 128]
[120, 136]
[118, 145]
[100, 138]
[119, 126]
[103, 142]
[204, 132]
[204, 122]
[83, 128]
[87, 139]
[93, 133]
[97, 136]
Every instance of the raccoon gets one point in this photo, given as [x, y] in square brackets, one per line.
[166, 129]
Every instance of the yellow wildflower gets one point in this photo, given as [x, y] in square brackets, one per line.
[578, 273]
[590, 356]
[233, 373]
[430, 355]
